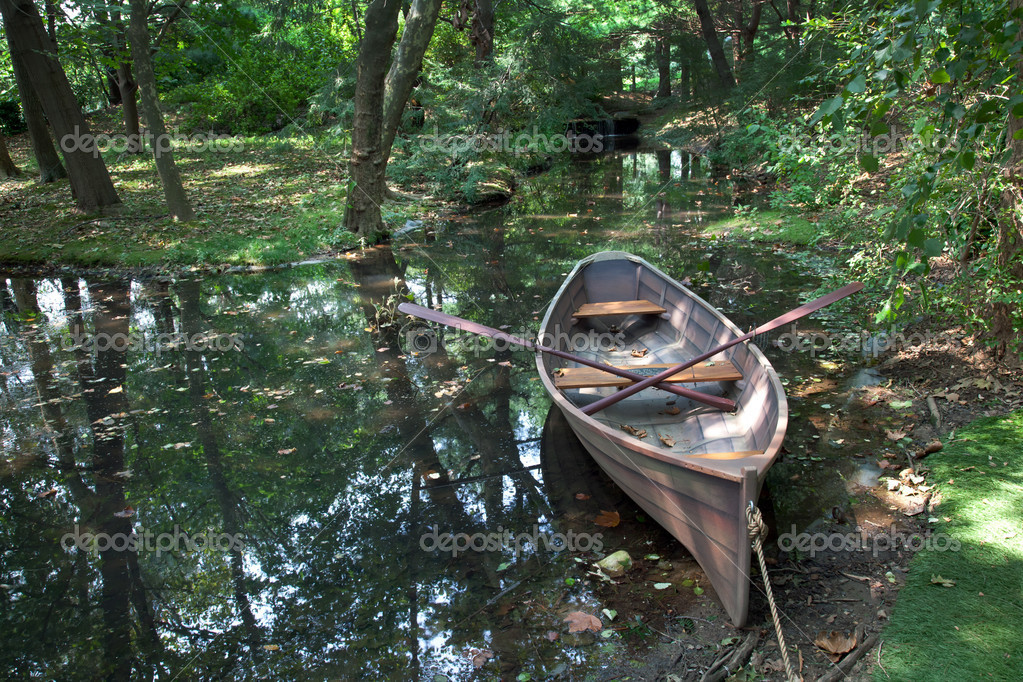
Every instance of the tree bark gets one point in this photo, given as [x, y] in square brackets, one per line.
[408, 60]
[482, 32]
[662, 54]
[90, 181]
[50, 167]
[1010, 226]
[617, 75]
[7, 167]
[368, 161]
[173, 190]
[717, 52]
[127, 86]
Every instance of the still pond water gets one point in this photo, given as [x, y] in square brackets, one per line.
[284, 465]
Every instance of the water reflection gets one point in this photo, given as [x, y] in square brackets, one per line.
[318, 449]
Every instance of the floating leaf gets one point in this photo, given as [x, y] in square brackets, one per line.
[480, 657]
[697, 590]
[607, 519]
[661, 586]
[582, 496]
[578, 621]
[610, 613]
[286, 451]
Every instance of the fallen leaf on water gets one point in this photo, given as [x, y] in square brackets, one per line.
[49, 493]
[668, 441]
[582, 496]
[552, 636]
[286, 451]
[835, 643]
[944, 582]
[479, 657]
[895, 435]
[119, 389]
[580, 622]
[271, 647]
[661, 586]
[607, 519]
[505, 363]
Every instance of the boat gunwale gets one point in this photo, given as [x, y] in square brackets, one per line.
[731, 469]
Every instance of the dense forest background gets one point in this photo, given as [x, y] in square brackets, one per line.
[895, 126]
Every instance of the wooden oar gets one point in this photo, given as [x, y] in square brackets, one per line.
[476, 328]
[791, 316]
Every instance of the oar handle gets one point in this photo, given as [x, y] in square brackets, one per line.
[475, 328]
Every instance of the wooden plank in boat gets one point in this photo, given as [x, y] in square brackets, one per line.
[728, 455]
[639, 307]
[589, 377]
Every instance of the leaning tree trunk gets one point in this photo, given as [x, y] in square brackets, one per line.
[7, 167]
[408, 60]
[173, 190]
[90, 181]
[47, 158]
[368, 162]
[717, 53]
[1010, 224]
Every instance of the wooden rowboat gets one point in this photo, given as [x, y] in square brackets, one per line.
[692, 467]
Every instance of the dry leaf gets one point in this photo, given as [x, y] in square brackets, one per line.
[580, 622]
[668, 441]
[638, 353]
[49, 493]
[944, 582]
[607, 519]
[835, 643]
[286, 451]
[671, 410]
[552, 636]
[638, 433]
[479, 657]
[895, 435]
[582, 496]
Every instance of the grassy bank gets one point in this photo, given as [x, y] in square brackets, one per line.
[767, 226]
[259, 200]
[972, 630]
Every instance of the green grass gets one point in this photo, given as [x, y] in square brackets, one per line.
[973, 630]
[267, 201]
[767, 226]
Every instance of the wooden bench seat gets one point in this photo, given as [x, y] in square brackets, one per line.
[590, 377]
[639, 307]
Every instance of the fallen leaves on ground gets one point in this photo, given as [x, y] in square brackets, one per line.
[579, 621]
[944, 582]
[607, 519]
[835, 643]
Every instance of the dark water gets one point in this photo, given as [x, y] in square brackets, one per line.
[286, 469]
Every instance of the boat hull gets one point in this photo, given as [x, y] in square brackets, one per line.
[696, 470]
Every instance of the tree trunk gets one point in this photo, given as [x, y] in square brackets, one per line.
[7, 167]
[368, 161]
[792, 9]
[717, 53]
[749, 31]
[662, 53]
[617, 75]
[173, 191]
[127, 86]
[90, 181]
[482, 32]
[408, 60]
[51, 23]
[50, 167]
[1010, 225]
